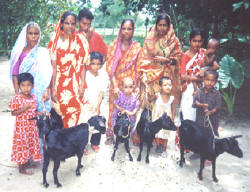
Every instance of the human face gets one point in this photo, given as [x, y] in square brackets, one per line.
[127, 31]
[26, 87]
[209, 82]
[32, 36]
[166, 86]
[69, 25]
[128, 86]
[95, 66]
[84, 25]
[212, 47]
[162, 28]
[196, 43]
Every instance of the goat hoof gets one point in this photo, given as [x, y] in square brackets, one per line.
[181, 165]
[200, 177]
[131, 159]
[112, 158]
[147, 161]
[215, 179]
[78, 173]
[46, 184]
[59, 185]
[139, 159]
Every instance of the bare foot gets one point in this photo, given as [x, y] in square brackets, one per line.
[24, 171]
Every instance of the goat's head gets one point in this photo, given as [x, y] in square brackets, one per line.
[146, 115]
[167, 123]
[99, 123]
[231, 146]
[122, 125]
[43, 124]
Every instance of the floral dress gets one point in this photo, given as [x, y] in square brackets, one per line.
[25, 138]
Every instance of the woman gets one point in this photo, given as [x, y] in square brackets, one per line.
[69, 54]
[27, 56]
[122, 61]
[161, 55]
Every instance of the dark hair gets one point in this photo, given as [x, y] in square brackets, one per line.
[25, 77]
[194, 33]
[96, 55]
[129, 20]
[65, 15]
[163, 17]
[214, 73]
[162, 78]
[32, 24]
[85, 13]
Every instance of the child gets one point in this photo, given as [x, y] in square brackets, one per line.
[164, 103]
[25, 139]
[209, 61]
[127, 103]
[96, 86]
[207, 100]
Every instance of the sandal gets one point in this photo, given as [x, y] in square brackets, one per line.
[85, 152]
[109, 141]
[24, 171]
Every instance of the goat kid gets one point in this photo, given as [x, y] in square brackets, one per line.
[202, 142]
[122, 133]
[60, 144]
[147, 129]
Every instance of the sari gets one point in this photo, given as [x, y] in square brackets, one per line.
[36, 62]
[168, 47]
[121, 65]
[71, 56]
[192, 66]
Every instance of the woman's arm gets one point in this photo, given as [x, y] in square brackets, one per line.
[173, 111]
[116, 89]
[100, 97]
[15, 84]
[53, 81]
[82, 86]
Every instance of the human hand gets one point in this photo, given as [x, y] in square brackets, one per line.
[205, 106]
[54, 95]
[208, 113]
[81, 92]
[161, 59]
[26, 106]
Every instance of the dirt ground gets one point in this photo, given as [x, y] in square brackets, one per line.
[101, 174]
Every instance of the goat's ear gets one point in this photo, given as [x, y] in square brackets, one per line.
[236, 136]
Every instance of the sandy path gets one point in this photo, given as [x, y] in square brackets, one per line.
[101, 174]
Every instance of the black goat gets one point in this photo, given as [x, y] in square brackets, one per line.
[202, 142]
[147, 129]
[60, 144]
[122, 132]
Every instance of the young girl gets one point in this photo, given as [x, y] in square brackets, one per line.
[164, 103]
[25, 137]
[127, 103]
[97, 83]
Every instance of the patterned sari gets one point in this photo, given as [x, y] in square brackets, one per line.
[71, 57]
[36, 62]
[167, 46]
[121, 64]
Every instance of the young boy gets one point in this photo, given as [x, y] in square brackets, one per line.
[207, 100]
[96, 85]
[209, 61]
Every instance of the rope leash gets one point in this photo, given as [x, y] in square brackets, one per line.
[207, 123]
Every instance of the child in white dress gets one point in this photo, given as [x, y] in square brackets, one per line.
[163, 104]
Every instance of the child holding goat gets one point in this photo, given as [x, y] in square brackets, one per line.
[25, 138]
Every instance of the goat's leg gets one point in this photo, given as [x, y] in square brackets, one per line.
[55, 169]
[182, 160]
[79, 165]
[202, 162]
[115, 148]
[45, 169]
[128, 150]
[213, 170]
[141, 148]
[148, 151]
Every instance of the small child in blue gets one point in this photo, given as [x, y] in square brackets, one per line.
[127, 103]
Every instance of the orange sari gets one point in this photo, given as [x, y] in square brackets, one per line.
[71, 57]
[127, 66]
[168, 47]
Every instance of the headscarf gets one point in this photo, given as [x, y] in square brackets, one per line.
[37, 63]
